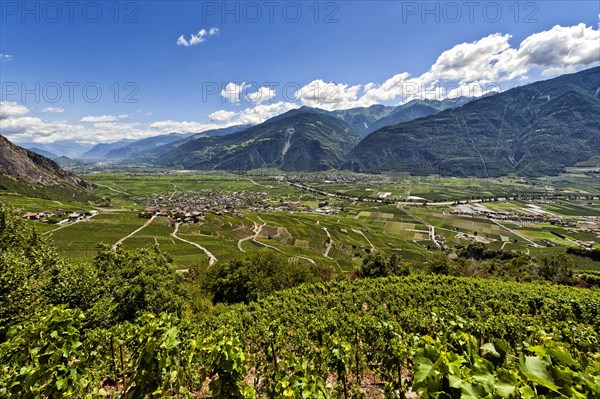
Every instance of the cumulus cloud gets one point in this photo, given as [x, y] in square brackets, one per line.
[102, 118]
[467, 69]
[262, 112]
[470, 69]
[9, 109]
[196, 38]
[6, 57]
[222, 116]
[561, 49]
[53, 110]
[328, 95]
[263, 94]
[233, 91]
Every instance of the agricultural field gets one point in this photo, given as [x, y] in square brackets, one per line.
[78, 241]
[340, 236]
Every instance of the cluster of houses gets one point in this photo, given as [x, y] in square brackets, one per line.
[337, 178]
[523, 216]
[64, 216]
[189, 207]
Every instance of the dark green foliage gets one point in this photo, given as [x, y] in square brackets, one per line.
[557, 268]
[116, 286]
[593, 254]
[45, 359]
[139, 281]
[479, 251]
[25, 259]
[439, 264]
[381, 265]
[246, 280]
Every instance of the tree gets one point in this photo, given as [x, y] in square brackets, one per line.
[557, 268]
[245, 280]
[380, 265]
[25, 258]
[439, 264]
[139, 281]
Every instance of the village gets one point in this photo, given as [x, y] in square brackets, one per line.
[188, 207]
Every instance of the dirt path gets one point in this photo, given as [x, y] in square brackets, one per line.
[174, 192]
[256, 230]
[260, 185]
[515, 233]
[112, 189]
[429, 226]
[134, 232]
[330, 245]
[363, 234]
[306, 258]
[211, 258]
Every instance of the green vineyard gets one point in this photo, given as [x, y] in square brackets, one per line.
[422, 336]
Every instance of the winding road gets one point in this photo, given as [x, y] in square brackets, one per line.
[211, 258]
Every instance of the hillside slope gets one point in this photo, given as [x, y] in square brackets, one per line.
[34, 169]
[292, 141]
[537, 129]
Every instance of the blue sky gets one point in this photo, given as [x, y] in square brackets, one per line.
[350, 53]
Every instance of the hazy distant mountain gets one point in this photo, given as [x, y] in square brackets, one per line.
[99, 151]
[65, 162]
[295, 140]
[132, 149]
[67, 148]
[361, 119]
[149, 155]
[34, 169]
[537, 129]
[44, 153]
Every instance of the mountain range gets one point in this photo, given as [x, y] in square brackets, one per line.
[296, 140]
[532, 130]
[537, 129]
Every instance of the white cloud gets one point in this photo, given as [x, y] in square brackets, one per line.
[262, 112]
[465, 69]
[102, 118]
[561, 49]
[196, 38]
[470, 69]
[233, 91]
[328, 95]
[261, 95]
[170, 126]
[9, 109]
[6, 57]
[53, 110]
[222, 116]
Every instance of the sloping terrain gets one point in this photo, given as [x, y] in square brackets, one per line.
[537, 129]
[292, 141]
[34, 169]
